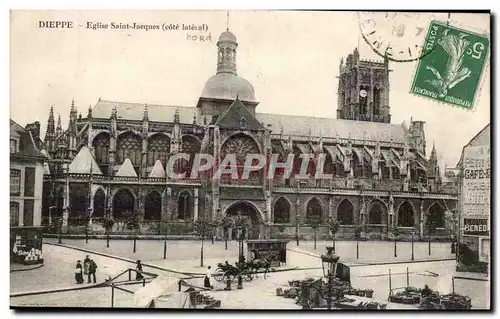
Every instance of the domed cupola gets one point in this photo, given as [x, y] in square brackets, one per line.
[226, 85]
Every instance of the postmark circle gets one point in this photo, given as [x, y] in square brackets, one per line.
[395, 36]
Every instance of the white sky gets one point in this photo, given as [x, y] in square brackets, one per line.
[291, 58]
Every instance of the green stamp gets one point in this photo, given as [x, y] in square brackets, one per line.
[451, 66]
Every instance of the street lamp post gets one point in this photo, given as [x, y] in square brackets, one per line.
[412, 246]
[240, 243]
[108, 213]
[329, 263]
[357, 248]
[60, 222]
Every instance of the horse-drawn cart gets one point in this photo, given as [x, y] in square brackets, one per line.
[273, 250]
[227, 271]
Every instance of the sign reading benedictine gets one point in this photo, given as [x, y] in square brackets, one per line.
[476, 181]
[476, 226]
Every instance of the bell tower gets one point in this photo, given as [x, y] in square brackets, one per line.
[363, 91]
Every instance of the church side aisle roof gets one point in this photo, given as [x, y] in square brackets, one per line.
[329, 127]
[135, 111]
[82, 162]
[127, 169]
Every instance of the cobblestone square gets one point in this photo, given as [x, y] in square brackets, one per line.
[58, 273]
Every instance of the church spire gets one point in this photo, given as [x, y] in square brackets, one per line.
[226, 45]
[59, 126]
[50, 123]
[433, 152]
[176, 116]
[146, 113]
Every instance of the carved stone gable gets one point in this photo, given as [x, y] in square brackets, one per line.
[239, 117]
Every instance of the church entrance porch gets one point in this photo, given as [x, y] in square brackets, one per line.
[249, 210]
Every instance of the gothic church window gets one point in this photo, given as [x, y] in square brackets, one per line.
[185, 207]
[377, 214]
[435, 217]
[240, 145]
[129, 146]
[152, 206]
[313, 210]
[190, 145]
[405, 215]
[158, 149]
[281, 211]
[345, 213]
[101, 148]
[376, 101]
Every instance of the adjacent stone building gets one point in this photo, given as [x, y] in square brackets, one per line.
[475, 202]
[112, 162]
[26, 175]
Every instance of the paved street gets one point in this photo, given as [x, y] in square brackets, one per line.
[184, 255]
[95, 297]
[369, 251]
[58, 270]
[153, 249]
[376, 251]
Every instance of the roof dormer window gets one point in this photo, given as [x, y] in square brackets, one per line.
[13, 146]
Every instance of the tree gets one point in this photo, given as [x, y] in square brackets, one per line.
[242, 224]
[431, 226]
[225, 222]
[315, 223]
[396, 233]
[108, 224]
[333, 227]
[201, 227]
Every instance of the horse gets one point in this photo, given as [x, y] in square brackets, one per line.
[257, 264]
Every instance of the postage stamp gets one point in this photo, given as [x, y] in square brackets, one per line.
[452, 66]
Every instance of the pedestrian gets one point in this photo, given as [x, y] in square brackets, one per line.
[138, 267]
[86, 264]
[208, 277]
[78, 273]
[92, 271]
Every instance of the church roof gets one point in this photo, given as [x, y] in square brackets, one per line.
[290, 124]
[127, 169]
[135, 111]
[227, 36]
[330, 127]
[157, 170]
[227, 86]
[82, 162]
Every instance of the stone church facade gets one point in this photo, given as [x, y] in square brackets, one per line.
[112, 162]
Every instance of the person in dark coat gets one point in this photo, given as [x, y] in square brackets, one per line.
[92, 270]
[86, 264]
[138, 276]
[79, 273]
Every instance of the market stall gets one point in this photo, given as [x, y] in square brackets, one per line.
[26, 245]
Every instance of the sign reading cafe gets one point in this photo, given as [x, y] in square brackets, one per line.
[476, 181]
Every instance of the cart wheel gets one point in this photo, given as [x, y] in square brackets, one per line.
[248, 277]
[218, 275]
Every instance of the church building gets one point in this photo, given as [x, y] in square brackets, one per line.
[112, 162]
